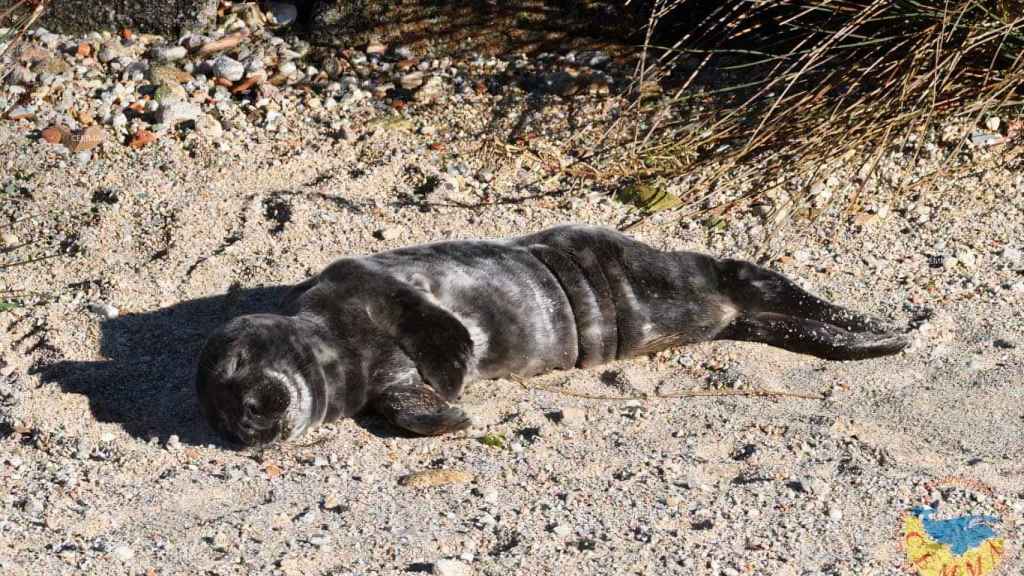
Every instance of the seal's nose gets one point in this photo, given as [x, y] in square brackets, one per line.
[265, 406]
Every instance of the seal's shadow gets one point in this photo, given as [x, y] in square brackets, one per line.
[146, 381]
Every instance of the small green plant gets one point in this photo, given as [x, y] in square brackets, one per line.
[493, 440]
[648, 197]
[8, 305]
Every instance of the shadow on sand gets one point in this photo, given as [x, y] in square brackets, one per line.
[146, 383]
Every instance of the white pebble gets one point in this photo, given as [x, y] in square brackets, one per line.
[105, 311]
[451, 568]
[561, 530]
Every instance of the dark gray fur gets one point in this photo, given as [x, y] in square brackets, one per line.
[402, 332]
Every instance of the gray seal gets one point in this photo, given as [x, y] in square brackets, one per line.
[401, 332]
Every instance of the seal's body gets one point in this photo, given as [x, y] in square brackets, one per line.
[401, 332]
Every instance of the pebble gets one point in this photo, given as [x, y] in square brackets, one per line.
[835, 514]
[448, 567]
[209, 126]
[169, 92]
[389, 233]
[22, 113]
[103, 310]
[376, 48]
[1012, 255]
[33, 507]
[123, 553]
[320, 540]
[173, 113]
[170, 53]
[412, 80]
[431, 91]
[288, 69]
[228, 68]
[561, 530]
[173, 442]
[283, 13]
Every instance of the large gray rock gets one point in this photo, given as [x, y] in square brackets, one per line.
[156, 16]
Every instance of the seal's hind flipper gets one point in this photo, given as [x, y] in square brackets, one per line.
[421, 410]
[806, 336]
[755, 289]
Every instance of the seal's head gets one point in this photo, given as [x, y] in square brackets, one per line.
[259, 380]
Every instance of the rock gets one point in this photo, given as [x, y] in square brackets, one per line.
[389, 233]
[967, 258]
[228, 68]
[108, 53]
[320, 540]
[53, 134]
[288, 69]
[835, 514]
[561, 530]
[283, 13]
[428, 478]
[375, 47]
[8, 238]
[141, 138]
[209, 126]
[173, 442]
[173, 113]
[21, 75]
[412, 80]
[221, 44]
[331, 502]
[85, 140]
[122, 553]
[22, 113]
[103, 310]
[447, 567]
[169, 53]
[1012, 255]
[170, 92]
[164, 74]
[32, 507]
[431, 91]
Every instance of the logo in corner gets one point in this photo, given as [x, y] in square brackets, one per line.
[958, 528]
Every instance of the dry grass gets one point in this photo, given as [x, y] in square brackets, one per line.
[781, 93]
[15, 20]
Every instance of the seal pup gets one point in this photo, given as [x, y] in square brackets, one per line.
[401, 332]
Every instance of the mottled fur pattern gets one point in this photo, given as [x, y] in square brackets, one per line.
[402, 332]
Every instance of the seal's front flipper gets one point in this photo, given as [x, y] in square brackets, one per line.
[812, 337]
[432, 337]
[421, 410]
